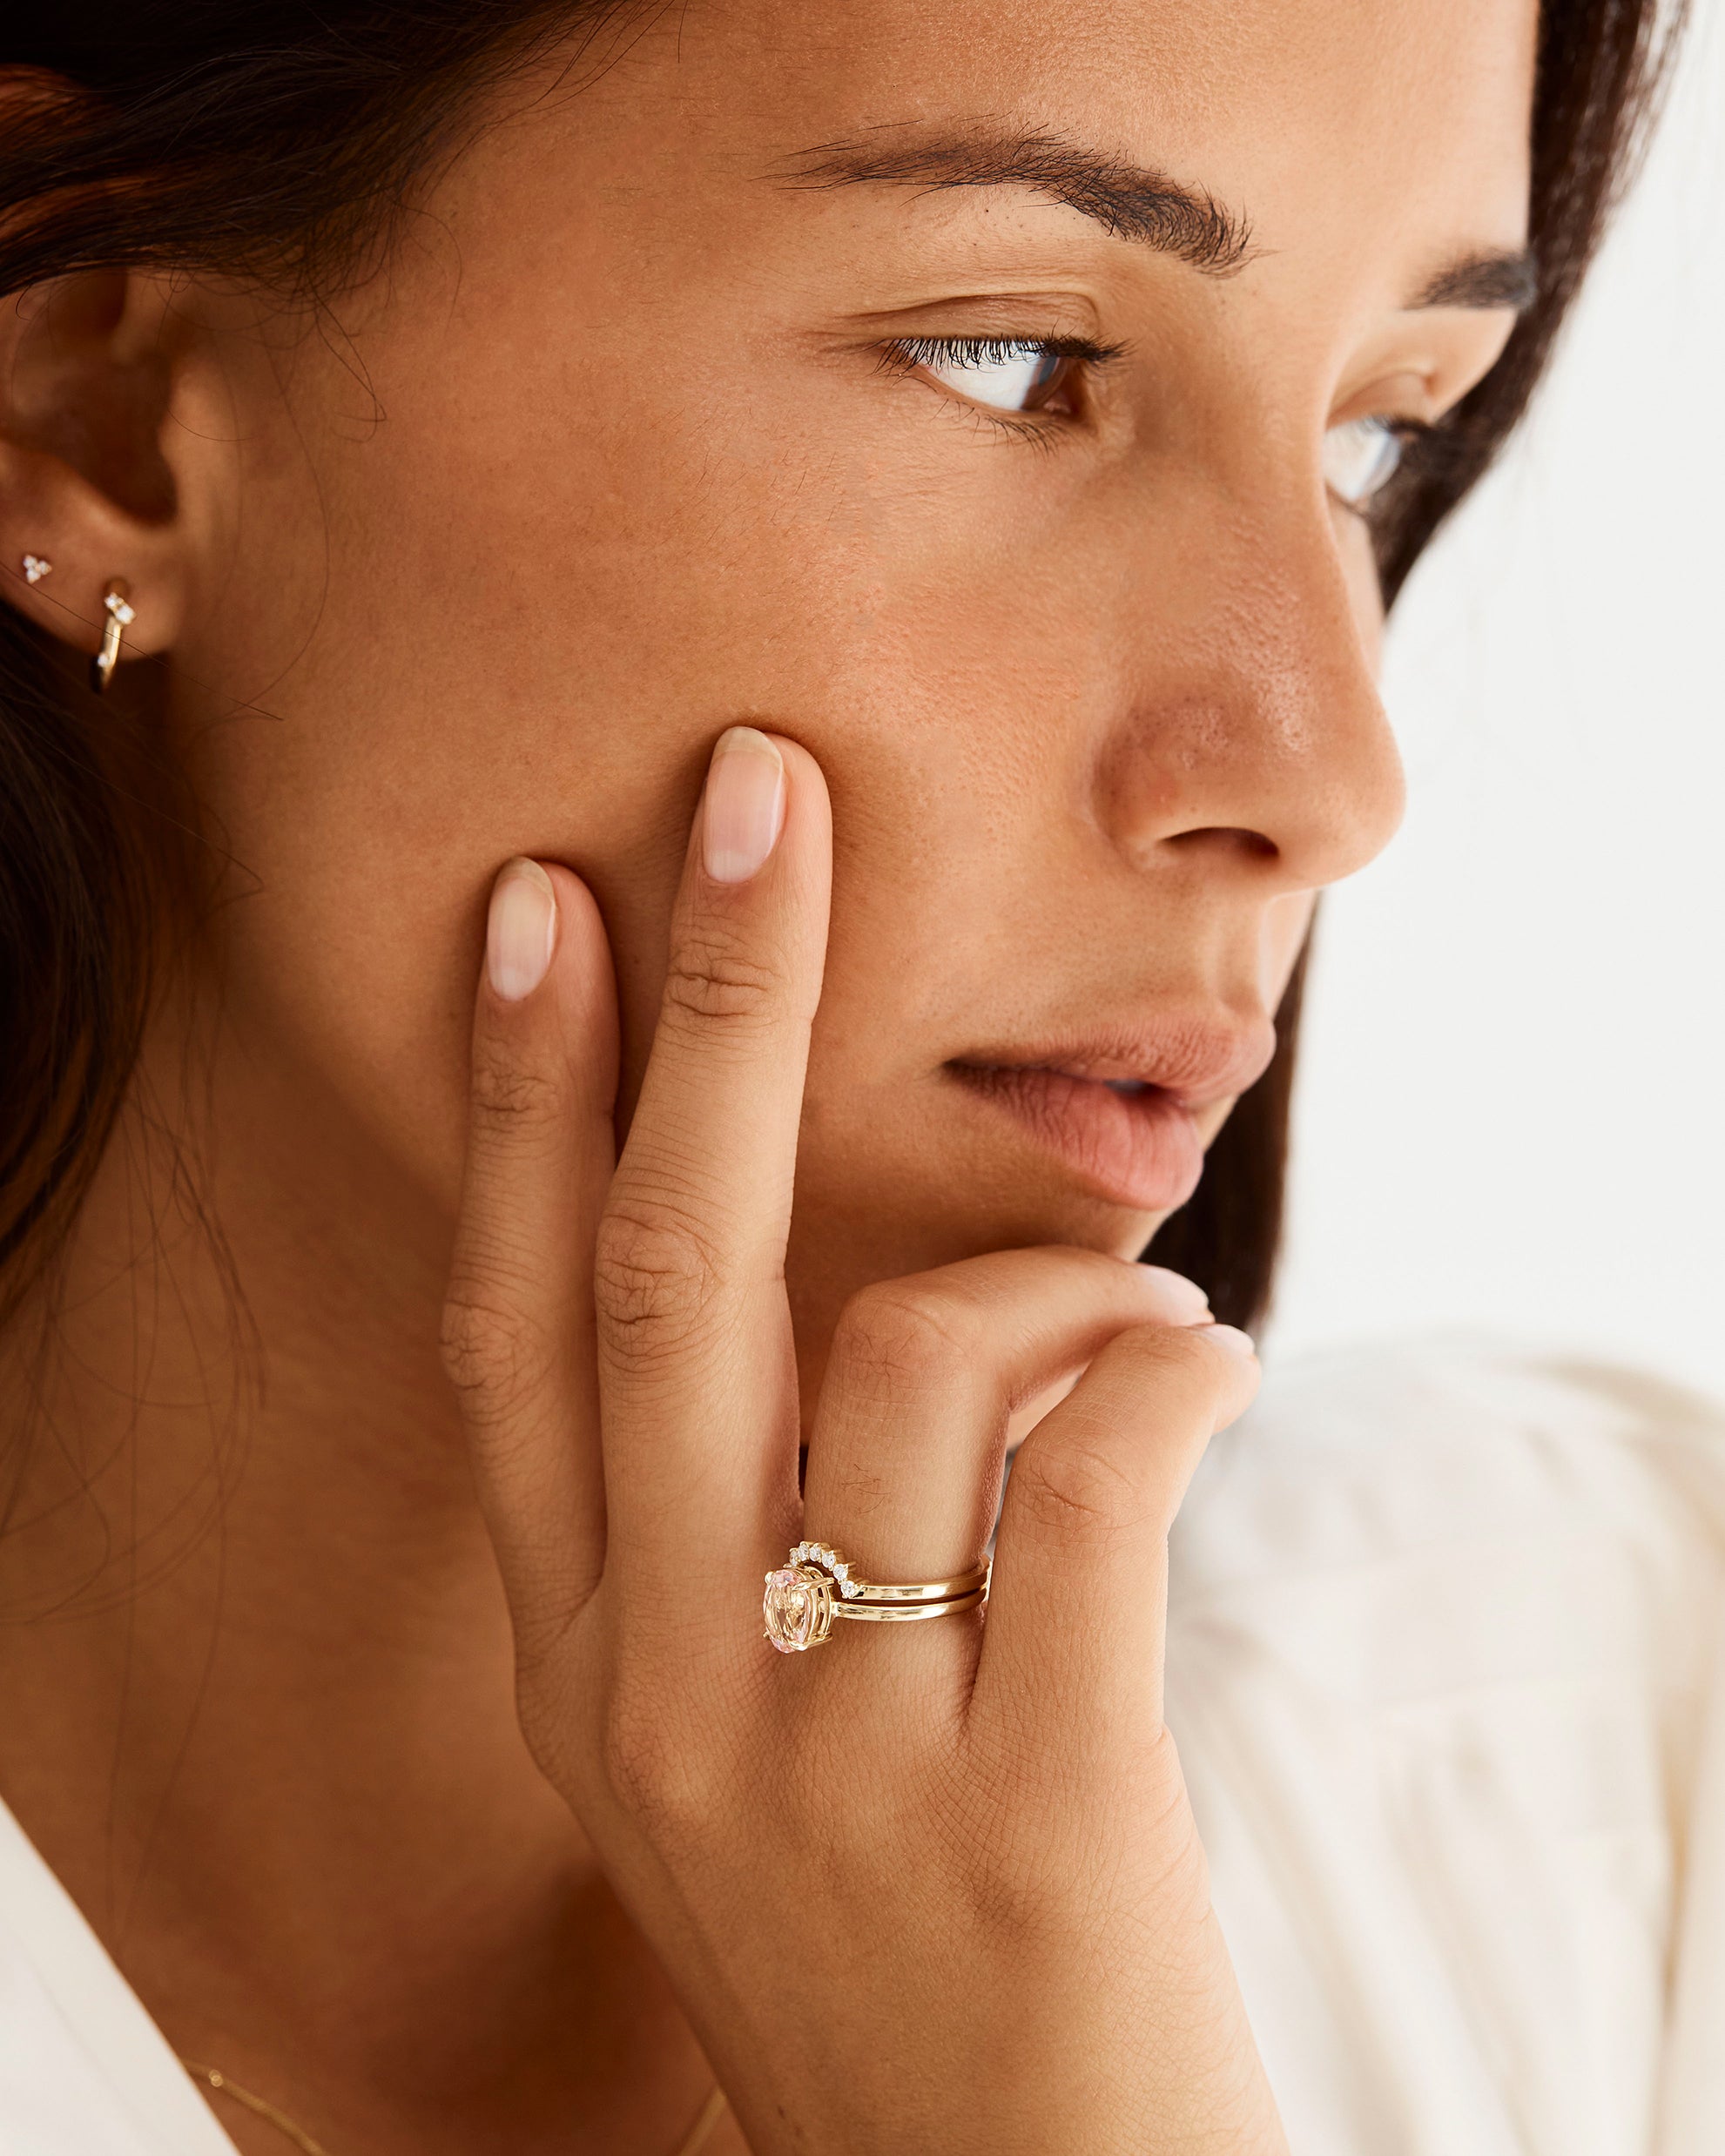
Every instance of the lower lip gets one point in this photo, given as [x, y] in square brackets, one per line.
[1138, 1149]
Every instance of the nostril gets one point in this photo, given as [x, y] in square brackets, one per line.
[1224, 839]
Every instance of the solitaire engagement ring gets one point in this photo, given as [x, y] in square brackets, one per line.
[815, 1585]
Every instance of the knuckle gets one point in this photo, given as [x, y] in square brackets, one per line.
[654, 1273]
[1035, 1883]
[493, 1355]
[1032, 1900]
[1026, 1879]
[513, 1096]
[716, 979]
[1077, 1490]
[651, 1769]
[894, 1339]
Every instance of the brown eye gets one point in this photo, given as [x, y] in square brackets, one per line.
[1012, 375]
[1360, 458]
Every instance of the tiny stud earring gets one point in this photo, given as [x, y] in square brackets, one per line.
[36, 568]
[120, 617]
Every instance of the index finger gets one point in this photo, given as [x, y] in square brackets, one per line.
[697, 1372]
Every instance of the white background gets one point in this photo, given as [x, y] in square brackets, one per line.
[1511, 1108]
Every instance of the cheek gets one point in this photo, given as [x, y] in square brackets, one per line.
[527, 642]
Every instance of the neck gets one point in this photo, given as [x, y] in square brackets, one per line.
[256, 1694]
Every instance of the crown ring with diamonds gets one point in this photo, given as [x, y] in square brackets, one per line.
[815, 1585]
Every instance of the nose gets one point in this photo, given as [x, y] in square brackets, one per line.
[1251, 732]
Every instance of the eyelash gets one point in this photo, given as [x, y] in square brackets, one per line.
[1419, 438]
[905, 355]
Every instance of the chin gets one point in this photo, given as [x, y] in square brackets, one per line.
[840, 1243]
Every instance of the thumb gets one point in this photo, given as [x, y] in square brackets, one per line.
[518, 1323]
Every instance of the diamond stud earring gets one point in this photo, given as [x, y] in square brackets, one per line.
[36, 568]
[120, 615]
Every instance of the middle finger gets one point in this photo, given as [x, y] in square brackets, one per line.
[696, 1372]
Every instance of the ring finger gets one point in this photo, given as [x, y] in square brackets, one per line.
[908, 1442]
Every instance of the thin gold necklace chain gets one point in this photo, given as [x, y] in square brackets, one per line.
[219, 2084]
[215, 2080]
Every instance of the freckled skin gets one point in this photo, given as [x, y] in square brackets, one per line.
[606, 460]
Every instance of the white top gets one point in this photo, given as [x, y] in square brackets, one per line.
[84, 2070]
[1446, 1674]
[1446, 1670]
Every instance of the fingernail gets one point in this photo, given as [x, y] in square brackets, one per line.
[744, 812]
[1185, 1297]
[522, 931]
[1238, 1344]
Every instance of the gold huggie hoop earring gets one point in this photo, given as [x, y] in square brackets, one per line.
[119, 616]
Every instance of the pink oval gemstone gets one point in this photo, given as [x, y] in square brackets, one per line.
[791, 1609]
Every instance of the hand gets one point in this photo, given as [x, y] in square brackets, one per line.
[926, 1887]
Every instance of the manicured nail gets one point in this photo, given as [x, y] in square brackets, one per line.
[1238, 1344]
[744, 812]
[1187, 1301]
[522, 931]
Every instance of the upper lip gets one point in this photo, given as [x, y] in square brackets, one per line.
[1198, 1057]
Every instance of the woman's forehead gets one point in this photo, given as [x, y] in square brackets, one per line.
[1255, 128]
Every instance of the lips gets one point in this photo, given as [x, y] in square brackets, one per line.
[1119, 1112]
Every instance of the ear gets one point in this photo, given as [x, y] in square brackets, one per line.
[105, 472]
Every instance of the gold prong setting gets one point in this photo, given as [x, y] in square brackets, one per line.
[797, 1608]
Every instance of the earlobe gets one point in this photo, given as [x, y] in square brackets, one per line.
[91, 504]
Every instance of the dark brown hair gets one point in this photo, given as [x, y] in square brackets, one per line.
[280, 142]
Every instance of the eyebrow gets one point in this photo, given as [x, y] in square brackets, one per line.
[1127, 200]
[1491, 279]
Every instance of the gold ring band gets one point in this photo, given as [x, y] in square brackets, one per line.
[907, 1613]
[919, 1590]
[816, 1584]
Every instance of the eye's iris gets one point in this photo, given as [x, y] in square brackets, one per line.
[1013, 376]
[1360, 457]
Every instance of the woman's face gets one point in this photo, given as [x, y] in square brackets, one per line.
[963, 390]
